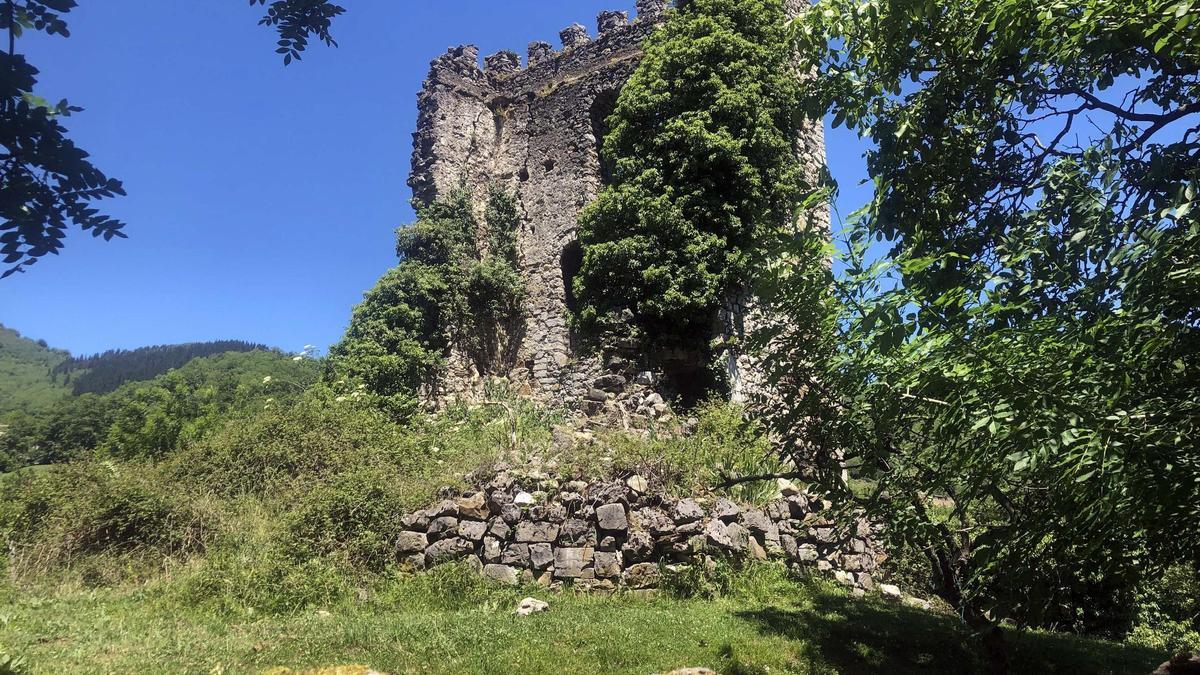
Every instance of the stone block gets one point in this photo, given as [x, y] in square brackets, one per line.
[446, 507]
[726, 510]
[575, 35]
[417, 522]
[446, 550]
[537, 532]
[499, 529]
[569, 562]
[492, 550]
[502, 573]
[516, 554]
[610, 383]
[502, 63]
[651, 10]
[608, 21]
[738, 536]
[608, 564]
[473, 507]
[411, 542]
[445, 526]
[576, 532]
[756, 521]
[472, 530]
[642, 575]
[541, 556]
[611, 517]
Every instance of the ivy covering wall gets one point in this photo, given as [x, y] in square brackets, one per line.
[456, 288]
[702, 166]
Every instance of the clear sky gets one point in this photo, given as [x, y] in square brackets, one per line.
[262, 199]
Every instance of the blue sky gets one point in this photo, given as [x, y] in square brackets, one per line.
[262, 200]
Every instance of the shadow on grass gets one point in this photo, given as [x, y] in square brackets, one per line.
[869, 636]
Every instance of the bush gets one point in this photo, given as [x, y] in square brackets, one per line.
[448, 291]
[353, 518]
[725, 443]
[314, 439]
[1168, 611]
[51, 518]
[704, 169]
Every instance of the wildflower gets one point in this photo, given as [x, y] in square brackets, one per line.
[267, 380]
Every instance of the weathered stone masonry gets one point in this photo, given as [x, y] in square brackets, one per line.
[609, 534]
[535, 132]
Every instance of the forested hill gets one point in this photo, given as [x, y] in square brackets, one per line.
[103, 373]
[26, 365]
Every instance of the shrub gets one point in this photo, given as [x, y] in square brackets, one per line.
[52, 518]
[448, 291]
[704, 167]
[353, 518]
[315, 439]
[724, 443]
[1168, 611]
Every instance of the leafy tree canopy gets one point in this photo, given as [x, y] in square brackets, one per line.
[47, 183]
[1018, 376]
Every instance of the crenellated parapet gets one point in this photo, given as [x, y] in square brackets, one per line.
[610, 21]
[612, 29]
[651, 10]
[540, 52]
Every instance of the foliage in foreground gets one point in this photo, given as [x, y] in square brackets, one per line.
[1020, 373]
[452, 290]
[48, 183]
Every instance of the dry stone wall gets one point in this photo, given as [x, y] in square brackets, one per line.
[609, 534]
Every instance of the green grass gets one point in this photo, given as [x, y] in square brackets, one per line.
[451, 622]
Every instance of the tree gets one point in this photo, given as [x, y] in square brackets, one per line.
[47, 183]
[1017, 377]
[703, 166]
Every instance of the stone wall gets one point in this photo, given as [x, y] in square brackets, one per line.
[536, 131]
[611, 534]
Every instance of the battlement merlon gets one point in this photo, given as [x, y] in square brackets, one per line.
[463, 61]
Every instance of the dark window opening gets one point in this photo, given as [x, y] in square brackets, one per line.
[572, 262]
[602, 108]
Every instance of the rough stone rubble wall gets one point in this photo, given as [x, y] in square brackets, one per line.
[742, 314]
[608, 534]
[532, 131]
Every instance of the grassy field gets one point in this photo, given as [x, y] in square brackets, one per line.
[450, 622]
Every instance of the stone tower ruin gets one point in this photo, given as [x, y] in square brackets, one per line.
[535, 131]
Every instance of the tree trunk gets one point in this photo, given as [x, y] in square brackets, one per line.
[995, 647]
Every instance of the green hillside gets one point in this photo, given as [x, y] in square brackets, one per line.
[26, 382]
